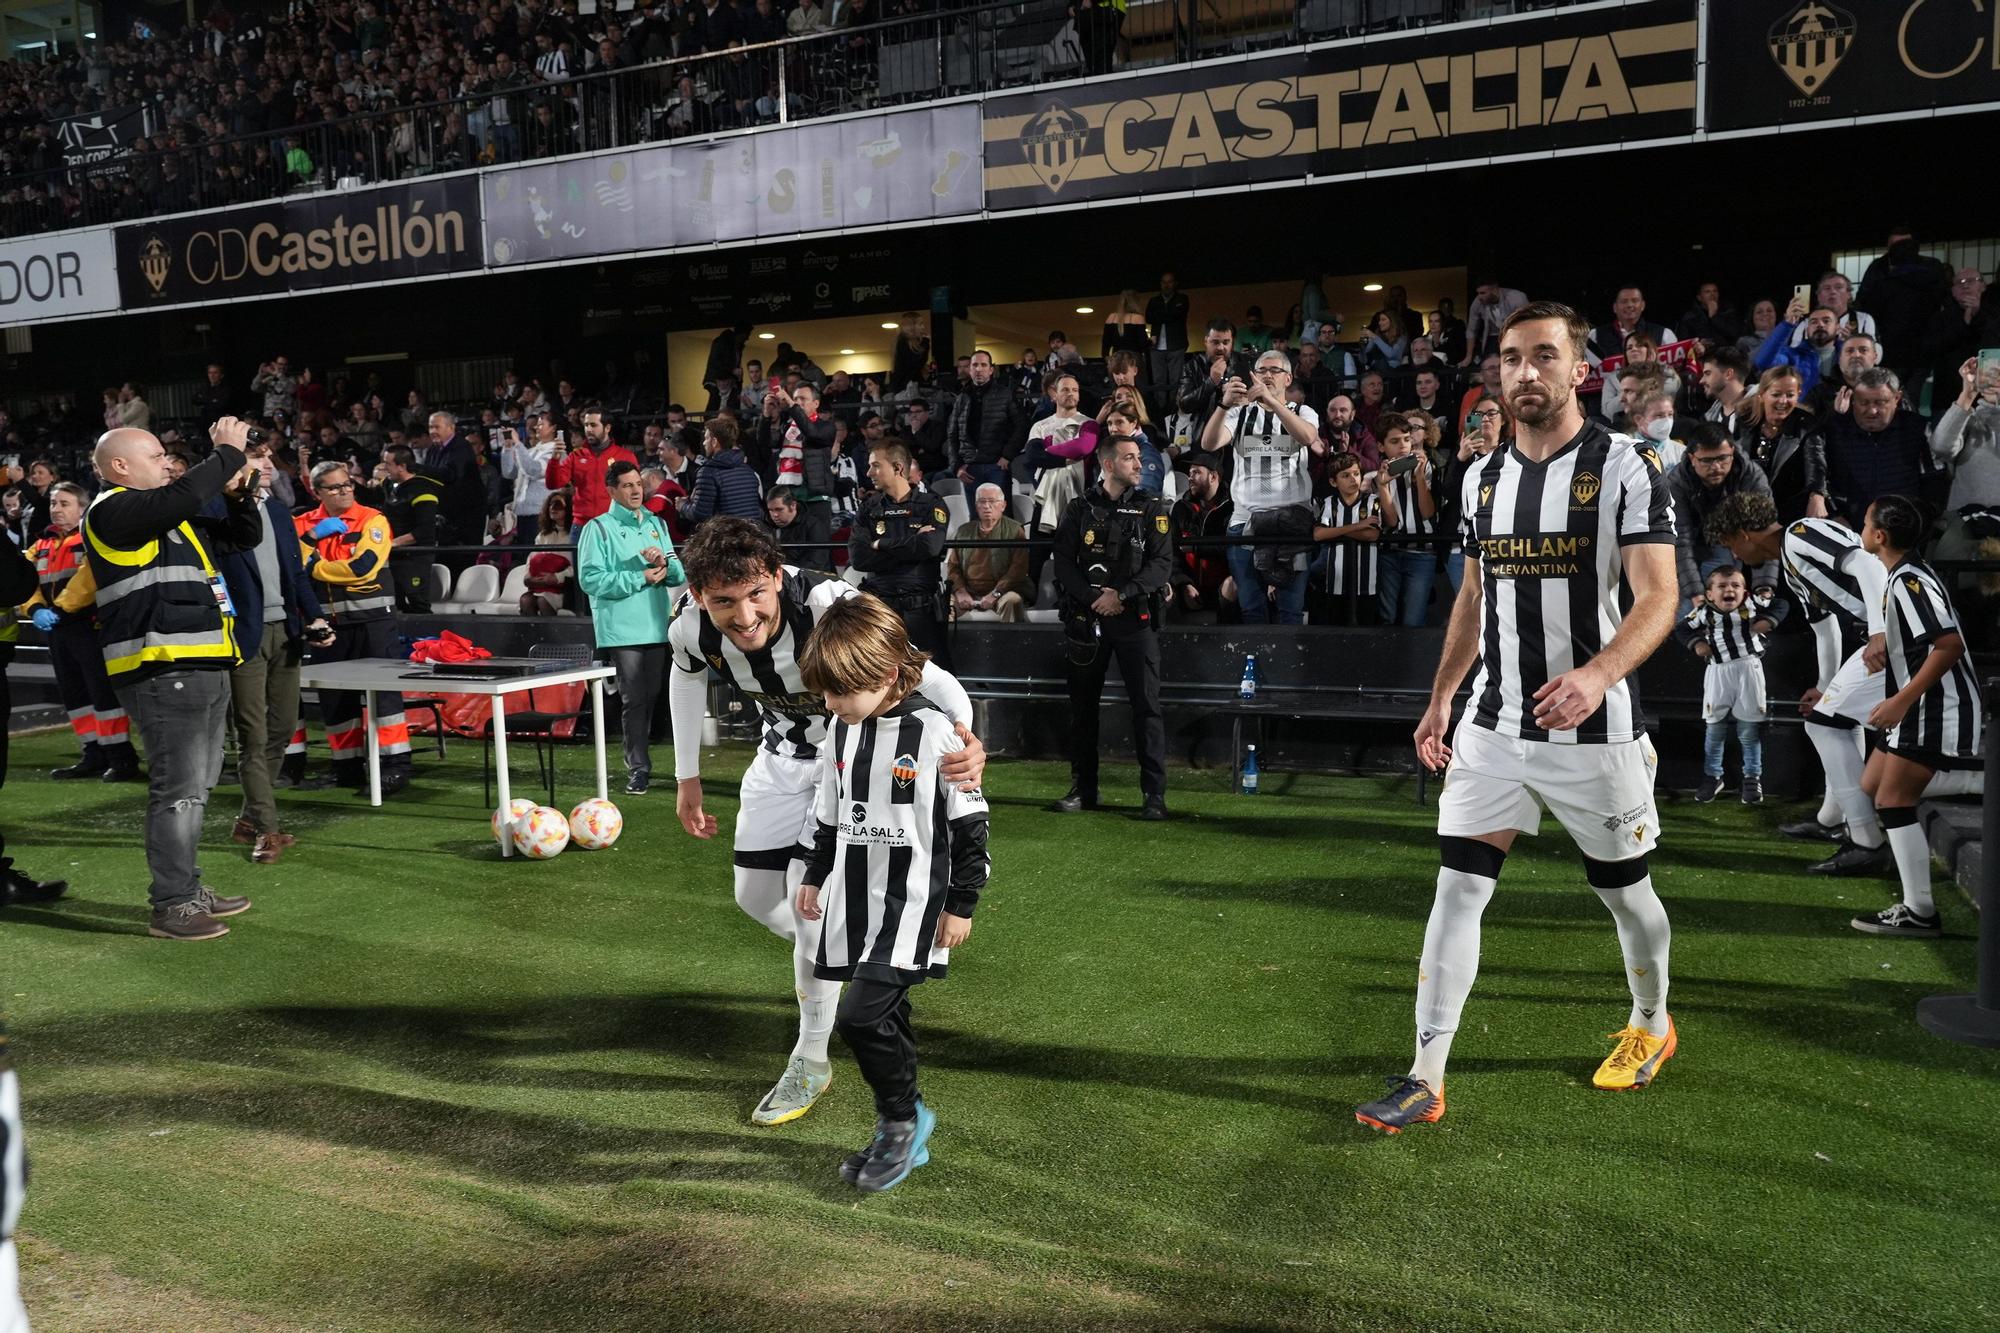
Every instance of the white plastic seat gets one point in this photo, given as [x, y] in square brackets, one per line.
[478, 586]
[1044, 612]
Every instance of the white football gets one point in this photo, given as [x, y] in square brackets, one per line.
[503, 820]
[595, 824]
[541, 833]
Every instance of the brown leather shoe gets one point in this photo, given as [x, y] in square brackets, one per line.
[245, 832]
[271, 846]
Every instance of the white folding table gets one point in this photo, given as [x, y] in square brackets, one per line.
[369, 676]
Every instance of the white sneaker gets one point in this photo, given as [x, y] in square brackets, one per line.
[794, 1095]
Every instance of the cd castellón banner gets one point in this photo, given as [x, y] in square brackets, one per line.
[420, 229]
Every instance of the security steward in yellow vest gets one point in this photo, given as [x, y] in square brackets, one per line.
[898, 543]
[17, 584]
[410, 502]
[346, 546]
[1113, 553]
[168, 632]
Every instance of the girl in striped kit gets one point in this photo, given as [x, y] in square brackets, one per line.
[1929, 719]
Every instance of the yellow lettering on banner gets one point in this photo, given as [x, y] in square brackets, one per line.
[361, 243]
[1195, 140]
[1528, 103]
[293, 259]
[265, 264]
[1403, 113]
[1903, 45]
[1122, 159]
[1267, 129]
[1467, 116]
[1325, 91]
[1595, 87]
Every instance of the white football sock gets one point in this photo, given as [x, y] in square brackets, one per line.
[1829, 810]
[1450, 963]
[819, 999]
[1912, 851]
[1842, 763]
[1644, 937]
[763, 895]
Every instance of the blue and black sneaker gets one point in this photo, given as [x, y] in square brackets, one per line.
[1411, 1101]
[900, 1147]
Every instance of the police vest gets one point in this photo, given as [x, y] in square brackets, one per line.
[159, 604]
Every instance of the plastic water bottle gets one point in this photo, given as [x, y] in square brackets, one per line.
[1250, 772]
[1249, 689]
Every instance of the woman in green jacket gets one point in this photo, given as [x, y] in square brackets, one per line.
[627, 565]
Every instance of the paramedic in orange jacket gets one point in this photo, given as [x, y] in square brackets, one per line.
[345, 547]
[63, 607]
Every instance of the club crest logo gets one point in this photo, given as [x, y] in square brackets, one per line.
[1584, 488]
[156, 261]
[1809, 43]
[1053, 142]
[904, 770]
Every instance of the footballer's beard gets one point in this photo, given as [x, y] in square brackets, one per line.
[1543, 410]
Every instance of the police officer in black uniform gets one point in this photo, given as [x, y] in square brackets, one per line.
[898, 542]
[411, 502]
[1113, 553]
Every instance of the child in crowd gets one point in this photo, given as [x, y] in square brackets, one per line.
[1728, 630]
[902, 856]
[1350, 523]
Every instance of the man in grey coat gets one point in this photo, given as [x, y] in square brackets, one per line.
[1711, 472]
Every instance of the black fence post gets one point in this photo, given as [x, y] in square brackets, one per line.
[1974, 1019]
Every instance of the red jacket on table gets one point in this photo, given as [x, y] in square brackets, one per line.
[582, 470]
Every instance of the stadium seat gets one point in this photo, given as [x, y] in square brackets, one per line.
[1024, 509]
[478, 586]
[942, 486]
[960, 510]
[1044, 611]
[440, 584]
[853, 575]
[1170, 486]
[512, 588]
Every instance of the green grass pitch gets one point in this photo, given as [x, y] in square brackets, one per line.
[419, 1088]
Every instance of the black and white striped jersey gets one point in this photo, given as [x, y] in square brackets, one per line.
[1350, 564]
[1830, 574]
[896, 847]
[1271, 465]
[1728, 633]
[1549, 539]
[1944, 724]
[1410, 519]
[795, 718]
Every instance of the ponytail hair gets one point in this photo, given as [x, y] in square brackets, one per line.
[1903, 520]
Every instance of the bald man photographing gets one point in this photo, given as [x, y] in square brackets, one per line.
[169, 636]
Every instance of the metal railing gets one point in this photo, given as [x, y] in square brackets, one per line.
[964, 49]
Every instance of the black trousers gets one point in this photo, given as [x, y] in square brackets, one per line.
[874, 1021]
[1138, 658]
[411, 576]
[924, 621]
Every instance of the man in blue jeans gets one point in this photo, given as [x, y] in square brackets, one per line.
[1270, 440]
[1408, 511]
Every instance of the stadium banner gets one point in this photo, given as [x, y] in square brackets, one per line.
[1456, 94]
[415, 230]
[866, 171]
[101, 134]
[66, 273]
[1787, 62]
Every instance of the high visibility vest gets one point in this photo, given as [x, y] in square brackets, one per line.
[156, 604]
[351, 567]
[57, 558]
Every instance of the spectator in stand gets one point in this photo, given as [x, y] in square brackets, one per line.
[1200, 587]
[1967, 439]
[449, 461]
[989, 578]
[274, 379]
[1167, 336]
[1485, 423]
[1270, 441]
[1806, 341]
[1903, 291]
[1491, 304]
[1427, 396]
[805, 445]
[1641, 373]
[1763, 318]
[549, 572]
[1342, 433]
[986, 427]
[1350, 525]
[1487, 387]
[1725, 378]
[1709, 319]
[1836, 293]
[725, 485]
[525, 464]
[1139, 425]
[581, 469]
[1712, 472]
[1387, 344]
[926, 438]
[1408, 507]
[213, 400]
[1879, 448]
[1447, 333]
[1315, 380]
[1966, 323]
[786, 523]
[627, 567]
[1059, 426]
[1784, 441]
[1655, 421]
[1628, 316]
[1858, 352]
[1373, 402]
[133, 410]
